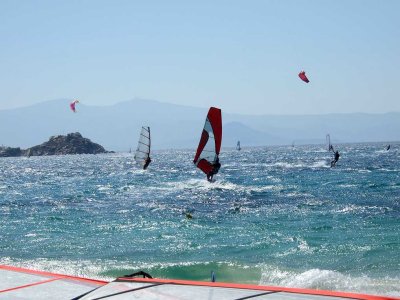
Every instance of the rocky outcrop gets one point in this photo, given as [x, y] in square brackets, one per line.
[8, 151]
[72, 143]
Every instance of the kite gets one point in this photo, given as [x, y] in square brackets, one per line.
[72, 105]
[303, 76]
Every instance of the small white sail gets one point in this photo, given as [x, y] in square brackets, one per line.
[142, 154]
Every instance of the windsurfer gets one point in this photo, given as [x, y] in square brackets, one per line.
[146, 163]
[335, 159]
[215, 169]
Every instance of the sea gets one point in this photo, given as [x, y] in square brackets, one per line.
[276, 216]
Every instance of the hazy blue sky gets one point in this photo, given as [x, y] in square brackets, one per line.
[243, 56]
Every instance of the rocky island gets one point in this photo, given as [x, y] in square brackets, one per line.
[72, 143]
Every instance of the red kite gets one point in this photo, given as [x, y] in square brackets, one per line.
[303, 77]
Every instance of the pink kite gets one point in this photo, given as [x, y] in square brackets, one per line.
[72, 105]
[303, 76]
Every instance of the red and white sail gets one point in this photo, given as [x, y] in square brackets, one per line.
[210, 141]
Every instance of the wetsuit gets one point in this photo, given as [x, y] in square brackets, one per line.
[146, 164]
[214, 171]
[336, 158]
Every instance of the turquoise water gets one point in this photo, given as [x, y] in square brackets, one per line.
[274, 216]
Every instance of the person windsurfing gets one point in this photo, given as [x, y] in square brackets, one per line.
[335, 158]
[207, 153]
[146, 163]
[215, 168]
[142, 154]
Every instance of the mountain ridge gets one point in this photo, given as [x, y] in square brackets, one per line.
[117, 126]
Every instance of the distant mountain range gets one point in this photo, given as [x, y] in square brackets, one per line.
[117, 127]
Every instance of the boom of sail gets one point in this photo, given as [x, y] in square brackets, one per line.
[142, 154]
[207, 153]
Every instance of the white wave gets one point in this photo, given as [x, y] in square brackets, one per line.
[137, 171]
[30, 234]
[330, 280]
[348, 185]
[104, 187]
[381, 151]
[321, 164]
[389, 170]
[220, 184]
[352, 208]
[300, 246]
[286, 165]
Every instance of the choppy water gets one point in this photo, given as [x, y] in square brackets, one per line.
[275, 216]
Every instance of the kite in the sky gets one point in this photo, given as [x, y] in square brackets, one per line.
[303, 76]
[72, 105]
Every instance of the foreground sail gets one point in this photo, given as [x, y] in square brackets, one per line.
[206, 158]
[142, 154]
[19, 283]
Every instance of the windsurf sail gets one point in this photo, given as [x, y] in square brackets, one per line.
[329, 146]
[303, 76]
[166, 289]
[20, 283]
[72, 105]
[207, 154]
[238, 146]
[142, 154]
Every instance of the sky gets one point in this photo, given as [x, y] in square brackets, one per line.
[241, 56]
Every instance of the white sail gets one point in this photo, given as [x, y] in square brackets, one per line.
[328, 142]
[142, 153]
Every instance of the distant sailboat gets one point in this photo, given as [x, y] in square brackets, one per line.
[142, 154]
[238, 146]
